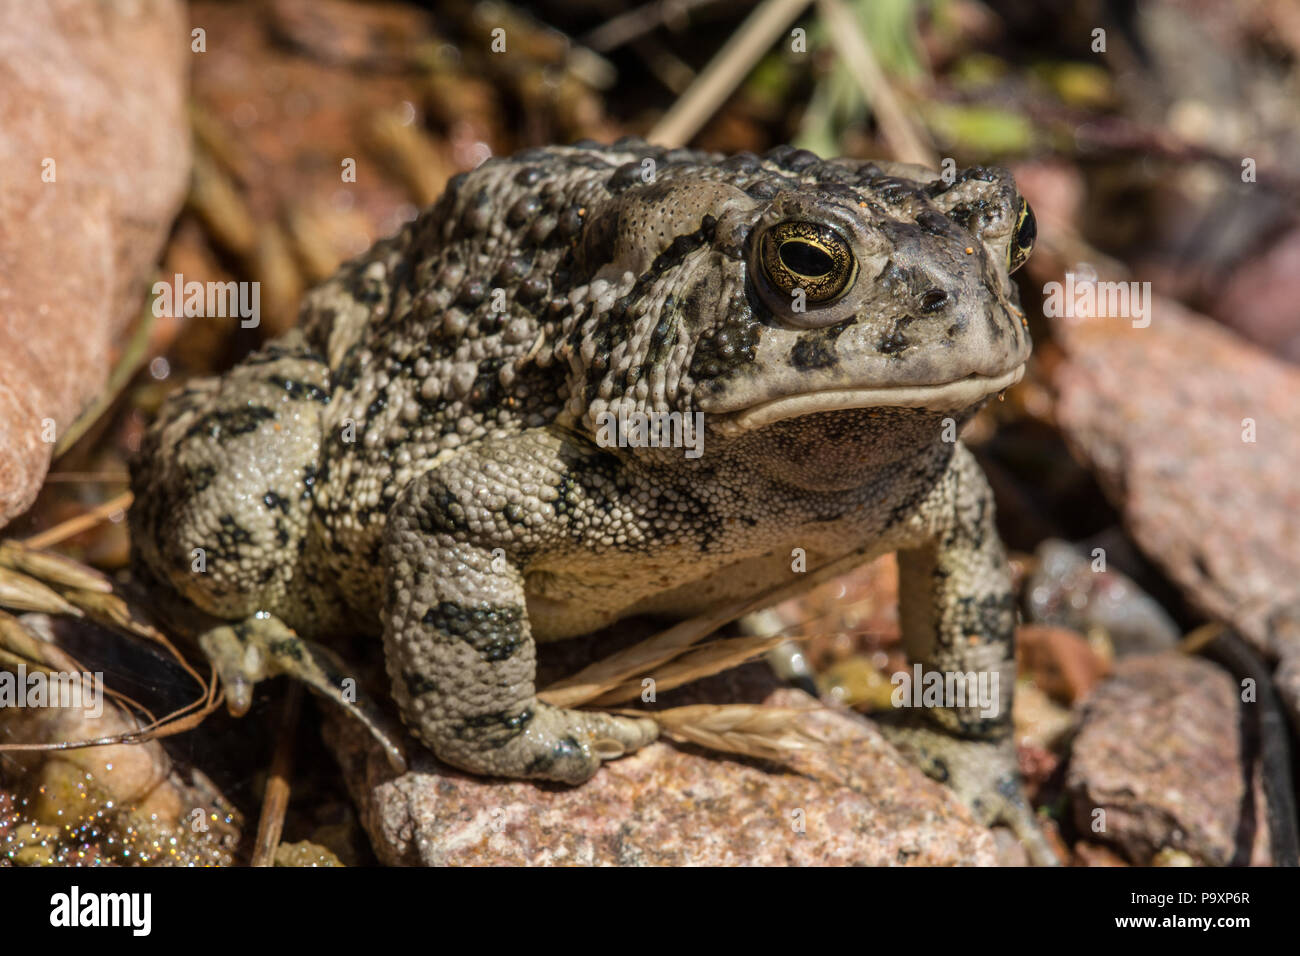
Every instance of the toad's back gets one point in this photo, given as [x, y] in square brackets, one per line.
[267, 488]
[454, 331]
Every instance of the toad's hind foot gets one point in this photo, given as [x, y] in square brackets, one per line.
[263, 646]
[539, 742]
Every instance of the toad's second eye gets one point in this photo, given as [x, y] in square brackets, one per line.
[1022, 243]
[808, 256]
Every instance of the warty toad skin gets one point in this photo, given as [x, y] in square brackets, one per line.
[418, 459]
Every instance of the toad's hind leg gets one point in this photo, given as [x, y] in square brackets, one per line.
[958, 618]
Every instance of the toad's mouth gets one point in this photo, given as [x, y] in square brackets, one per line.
[949, 396]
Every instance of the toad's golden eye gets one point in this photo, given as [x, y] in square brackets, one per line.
[1022, 241]
[808, 256]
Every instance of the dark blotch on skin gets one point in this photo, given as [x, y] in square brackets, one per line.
[202, 477]
[227, 423]
[301, 390]
[495, 730]
[897, 192]
[472, 293]
[814, 349]
[763, 190]
[533, 289]
[895, 340]
[937, 224]
[731, 345]
[496, 633]
[528, 176]
[523, 210]
[417, 684]
[564, 747]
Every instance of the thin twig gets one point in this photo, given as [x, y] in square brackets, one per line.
[669, 69]
[1202, 637]
[855, 53]
[132, 359]
[275, 801]
[74, 526]
[725, 71]
[634, 24]
[105, 477]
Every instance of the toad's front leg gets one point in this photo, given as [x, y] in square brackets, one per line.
[958, 618]
[457, 638]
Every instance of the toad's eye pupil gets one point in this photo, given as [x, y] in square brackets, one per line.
[809, 261]
[805, 259]
[1028, 231]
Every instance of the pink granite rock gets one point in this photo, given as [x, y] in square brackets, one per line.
[1195, 436]
[1159, 753]
[668, 804]
[94, 142]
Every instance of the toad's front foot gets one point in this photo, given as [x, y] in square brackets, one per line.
[984, 774]
[538, 742]
[249, 651]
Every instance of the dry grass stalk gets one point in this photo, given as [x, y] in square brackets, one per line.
[275, 798]
[52, 567]
[845, 34]
[750, 730]
[729, 66]
[712, 658]
[634, 662]
[1200, 638]
[74, 526]
[21, 593]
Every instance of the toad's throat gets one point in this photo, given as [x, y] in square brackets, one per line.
[949, 396]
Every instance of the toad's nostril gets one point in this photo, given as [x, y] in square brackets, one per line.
[934, 300]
